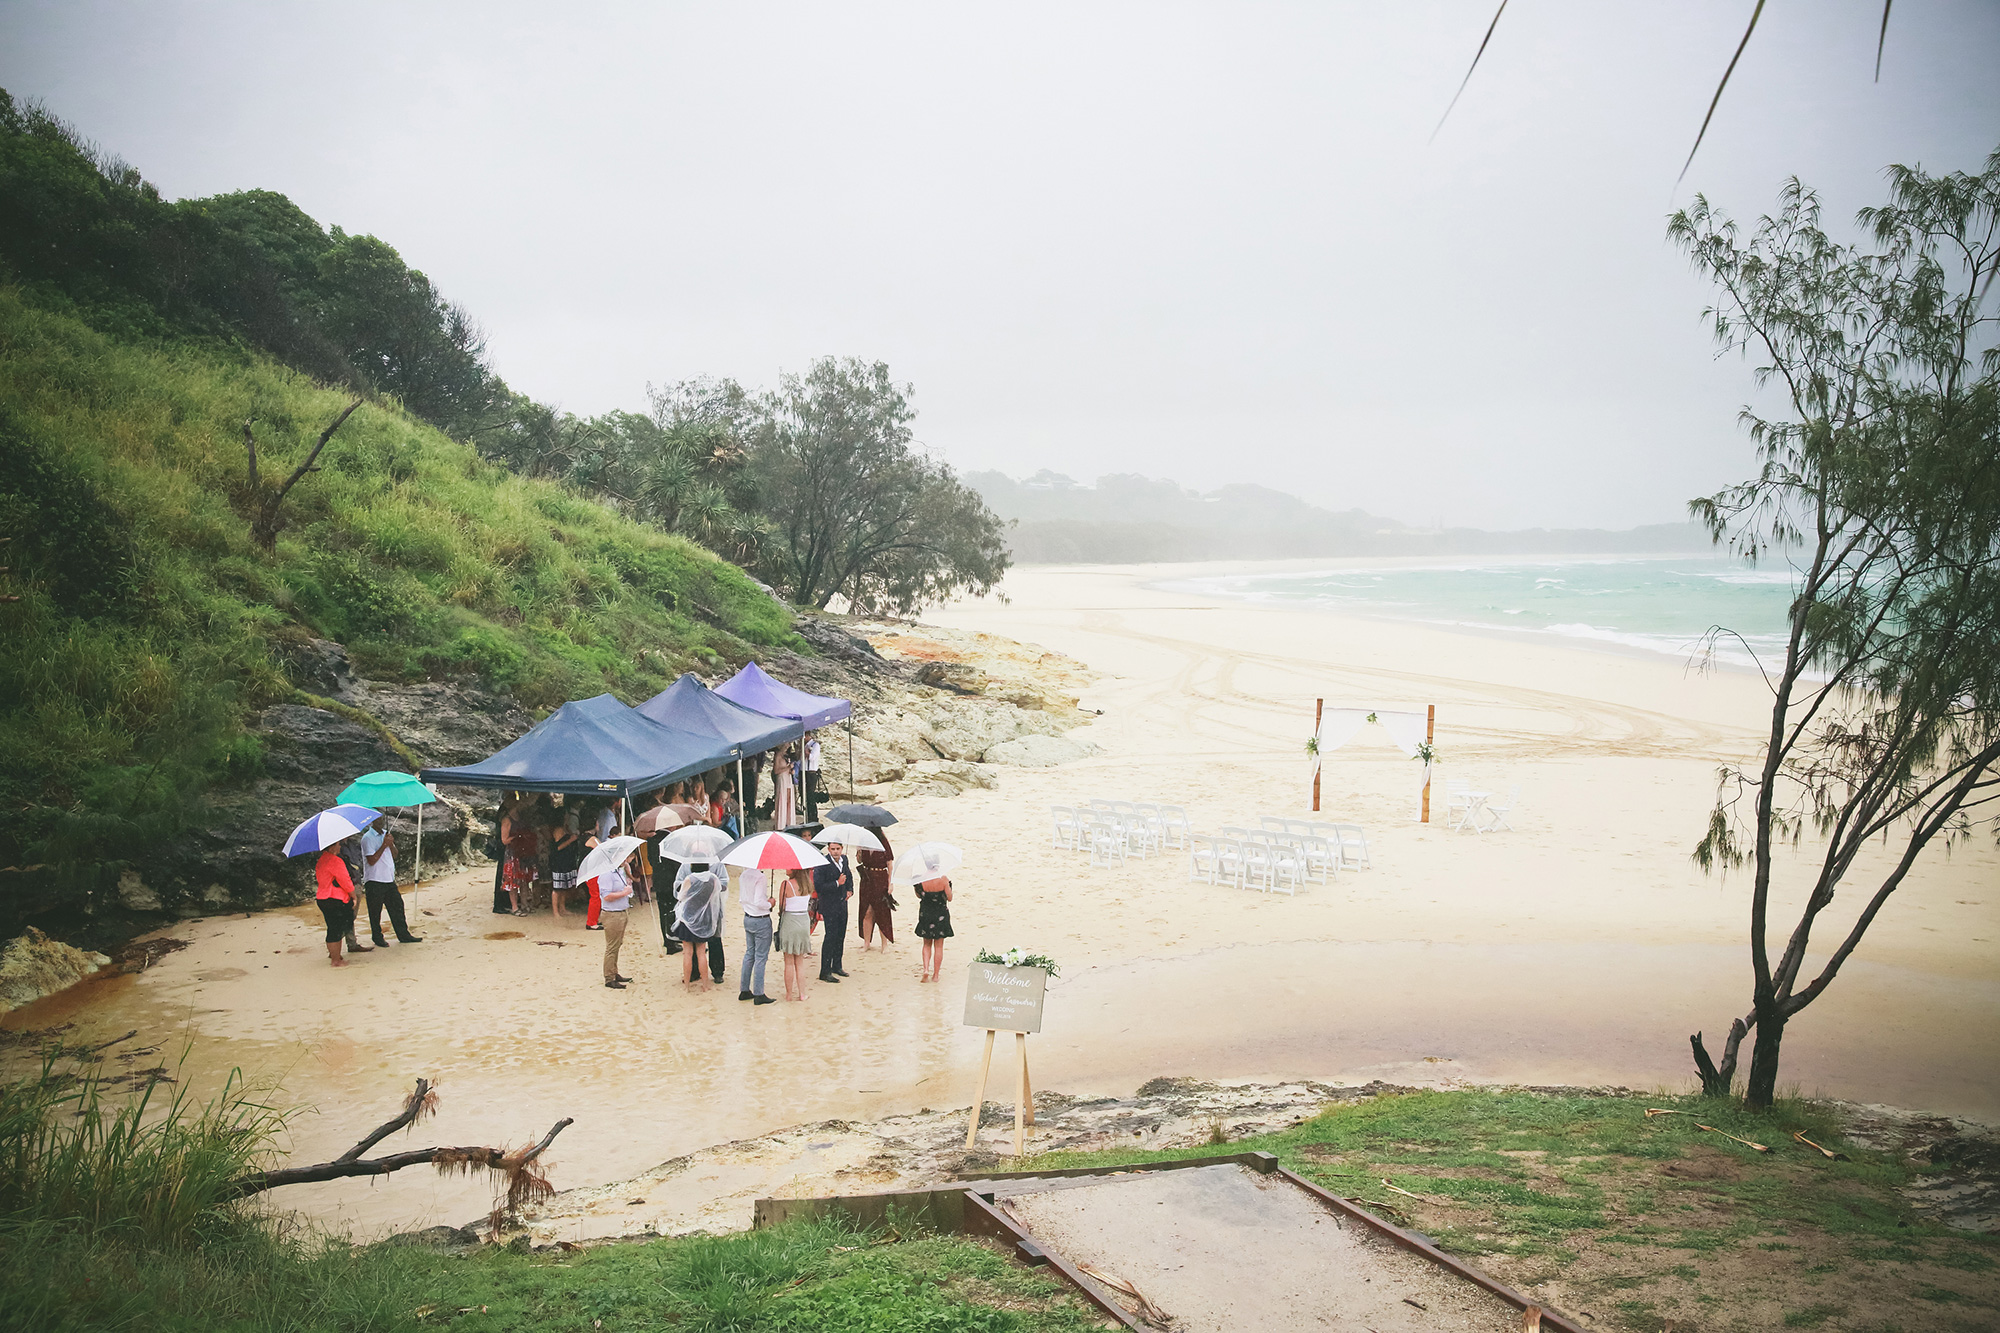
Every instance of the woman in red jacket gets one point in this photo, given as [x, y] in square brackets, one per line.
[336, 900]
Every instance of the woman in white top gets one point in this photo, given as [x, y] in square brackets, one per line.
[795, 930]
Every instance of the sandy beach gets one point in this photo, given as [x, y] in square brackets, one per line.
[1581, 948]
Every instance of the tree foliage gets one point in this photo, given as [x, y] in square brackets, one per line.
[82, 226]
[855, 508]
[1881, 487]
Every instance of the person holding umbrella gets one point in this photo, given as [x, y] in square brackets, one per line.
[698, 901]
[924, 866]
[378, 878]
[833, 885]
[335, 899]
[327, 833]
[608, 864]
[793, 856]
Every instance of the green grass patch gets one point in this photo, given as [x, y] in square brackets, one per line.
[149, 625]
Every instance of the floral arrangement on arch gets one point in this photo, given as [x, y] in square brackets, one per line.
[1019, 958]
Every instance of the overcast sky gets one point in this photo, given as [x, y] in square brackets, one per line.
[1208, 242]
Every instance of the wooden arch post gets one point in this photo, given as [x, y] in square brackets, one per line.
[1430, 734]
[1319, 711]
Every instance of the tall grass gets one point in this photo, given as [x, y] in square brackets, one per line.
[150, 625]
[156, 1174]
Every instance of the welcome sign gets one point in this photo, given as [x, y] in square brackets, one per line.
[1005, 999]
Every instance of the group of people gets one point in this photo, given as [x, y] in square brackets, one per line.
[374, 850]
[539, 845]
[785, 909]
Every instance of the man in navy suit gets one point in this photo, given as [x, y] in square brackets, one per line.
[833, 884]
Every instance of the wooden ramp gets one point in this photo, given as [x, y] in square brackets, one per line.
[1233, 1244]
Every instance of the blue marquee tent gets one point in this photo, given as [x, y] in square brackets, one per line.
[754, 688]
[688, 705]
[588, 747]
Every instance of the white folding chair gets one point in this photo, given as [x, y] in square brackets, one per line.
[1496, 815]
[1230, 861]
[1204, 857]
[1283, 871]
[1256, 864]
[1068, 829]
[1175, 829]
[1106, 839]
[1353, 845]
[1271, 823]
[1319, 859]
[1458, 803]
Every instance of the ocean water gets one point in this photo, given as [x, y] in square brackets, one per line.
[1662, 605]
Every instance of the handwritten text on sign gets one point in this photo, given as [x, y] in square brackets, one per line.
[1008, 999]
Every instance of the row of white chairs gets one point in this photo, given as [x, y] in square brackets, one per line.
[1111, 831]
[1348, 838]
[1282, 856]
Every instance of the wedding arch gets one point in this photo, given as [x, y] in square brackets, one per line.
[1411, 732]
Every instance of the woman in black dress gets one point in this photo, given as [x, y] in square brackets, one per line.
[933, 923]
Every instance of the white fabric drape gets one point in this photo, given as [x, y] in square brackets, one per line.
[1338, 725]
[1405, 729]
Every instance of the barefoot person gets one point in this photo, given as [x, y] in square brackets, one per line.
[876, 907]
[793, 931]
[335, 899]
[933, 923]
[698, 895]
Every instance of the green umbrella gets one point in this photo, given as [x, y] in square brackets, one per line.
[379, 791]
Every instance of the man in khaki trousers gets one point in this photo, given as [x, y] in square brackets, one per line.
[614, 892]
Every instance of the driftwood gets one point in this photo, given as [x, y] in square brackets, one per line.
[524, 1183]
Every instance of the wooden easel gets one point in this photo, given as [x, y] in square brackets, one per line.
[1024, 1094]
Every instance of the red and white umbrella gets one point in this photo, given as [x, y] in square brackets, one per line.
[774, 851]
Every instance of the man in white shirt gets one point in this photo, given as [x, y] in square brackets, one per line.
[753, 890]
[614, 891]
[378, 863]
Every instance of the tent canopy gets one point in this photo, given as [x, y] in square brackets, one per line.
[754, 688]
[587, 747]
[688, 705]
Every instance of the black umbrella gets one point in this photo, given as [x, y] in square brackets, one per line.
[868, 816]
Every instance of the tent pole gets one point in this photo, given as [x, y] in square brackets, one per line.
[850, 756]
[812, 808]
[417, 875]
[742, 808]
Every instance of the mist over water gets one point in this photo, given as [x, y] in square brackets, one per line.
[1654, 604]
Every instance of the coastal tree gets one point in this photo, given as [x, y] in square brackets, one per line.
[265, 501]
[854, 507]
[1880, 486]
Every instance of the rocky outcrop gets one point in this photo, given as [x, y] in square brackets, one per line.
[33, 965]
[311, 751]
[935, 711]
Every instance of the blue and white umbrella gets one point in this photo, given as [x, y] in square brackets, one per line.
[328, 827]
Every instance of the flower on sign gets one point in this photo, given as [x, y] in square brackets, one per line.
[1018, 957]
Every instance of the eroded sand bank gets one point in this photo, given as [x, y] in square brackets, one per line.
[1581, 948]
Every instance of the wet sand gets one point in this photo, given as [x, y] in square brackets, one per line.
[1581, 948]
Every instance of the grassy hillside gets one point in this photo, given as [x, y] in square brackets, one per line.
[148, 623]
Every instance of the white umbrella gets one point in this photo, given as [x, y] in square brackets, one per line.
[848, 835]
[697, 842]
[773, 851]
[608, 856]
[925, 862]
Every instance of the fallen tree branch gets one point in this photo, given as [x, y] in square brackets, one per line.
[523, 1183]
[422, 1101]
